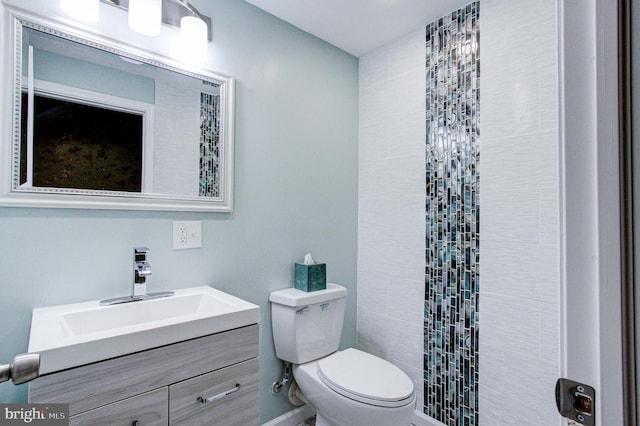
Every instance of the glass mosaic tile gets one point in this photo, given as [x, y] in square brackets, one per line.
[209, 145]
[452, 218]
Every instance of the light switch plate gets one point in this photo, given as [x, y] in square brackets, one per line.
[187, 234]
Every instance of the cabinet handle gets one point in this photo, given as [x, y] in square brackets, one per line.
[221, 395]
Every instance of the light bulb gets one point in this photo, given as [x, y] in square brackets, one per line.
[194, 35]
[145, 16]
[85, 10]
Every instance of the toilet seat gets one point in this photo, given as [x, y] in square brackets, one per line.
[366, 378]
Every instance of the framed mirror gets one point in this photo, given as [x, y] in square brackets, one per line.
[97, 124]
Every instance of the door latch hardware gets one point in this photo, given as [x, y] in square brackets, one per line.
[576, 401]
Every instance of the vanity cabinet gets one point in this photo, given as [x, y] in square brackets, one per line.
[203, 381]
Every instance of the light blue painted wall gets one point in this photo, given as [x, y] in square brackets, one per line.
[73, 72]
[295, 192]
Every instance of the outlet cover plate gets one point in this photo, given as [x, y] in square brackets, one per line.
[187, 234]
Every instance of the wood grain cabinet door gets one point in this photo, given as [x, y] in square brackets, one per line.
[225, 397]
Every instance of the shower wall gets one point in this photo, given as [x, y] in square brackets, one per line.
[391, 205]
[519, 222]
[519, 348]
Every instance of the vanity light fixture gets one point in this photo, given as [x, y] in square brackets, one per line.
[195, 30]
[84, 10]
[145, 16]
[193, 33]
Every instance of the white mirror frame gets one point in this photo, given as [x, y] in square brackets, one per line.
[102, 199]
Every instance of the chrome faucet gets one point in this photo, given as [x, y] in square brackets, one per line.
[141, 270]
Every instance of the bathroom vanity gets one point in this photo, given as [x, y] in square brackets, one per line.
[164, 385]
[209, 376]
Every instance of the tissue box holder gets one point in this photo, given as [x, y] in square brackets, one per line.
[311, 277]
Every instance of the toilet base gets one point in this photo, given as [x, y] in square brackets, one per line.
[333, 409]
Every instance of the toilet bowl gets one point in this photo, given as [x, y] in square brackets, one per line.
[355, 388]
[348, 387]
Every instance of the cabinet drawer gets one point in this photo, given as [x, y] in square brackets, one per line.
[148, 409]
[231, 408]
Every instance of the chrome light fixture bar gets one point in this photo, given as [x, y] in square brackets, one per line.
[172, 13]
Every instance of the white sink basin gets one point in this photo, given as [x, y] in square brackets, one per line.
[136, 313]
[67, 336]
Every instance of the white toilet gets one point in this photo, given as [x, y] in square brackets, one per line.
[348, 387]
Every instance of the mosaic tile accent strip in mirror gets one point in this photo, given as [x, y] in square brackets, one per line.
[209, 145]
[452, 218]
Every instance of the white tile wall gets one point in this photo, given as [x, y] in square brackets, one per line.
[519, 252]
[177, 148]
[391, 224]
[519, 272]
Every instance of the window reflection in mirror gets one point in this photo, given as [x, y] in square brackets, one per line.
[75, 145]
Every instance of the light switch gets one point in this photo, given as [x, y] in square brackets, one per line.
[187, 234]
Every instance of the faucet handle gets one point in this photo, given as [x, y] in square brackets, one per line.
[143, 269]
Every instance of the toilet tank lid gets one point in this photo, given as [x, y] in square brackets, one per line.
[296, 298]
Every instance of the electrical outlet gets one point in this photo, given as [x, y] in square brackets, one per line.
[187, 234]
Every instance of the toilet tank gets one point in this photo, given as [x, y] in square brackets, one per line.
[307, 325]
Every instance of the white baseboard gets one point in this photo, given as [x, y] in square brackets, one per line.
[421, 419]
[292, 418]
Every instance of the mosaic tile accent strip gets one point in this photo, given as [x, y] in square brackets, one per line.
[452, 218]
[209, 145]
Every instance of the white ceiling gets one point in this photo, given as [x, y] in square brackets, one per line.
[359, 26]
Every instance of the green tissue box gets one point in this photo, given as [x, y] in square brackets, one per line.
[311, 277]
